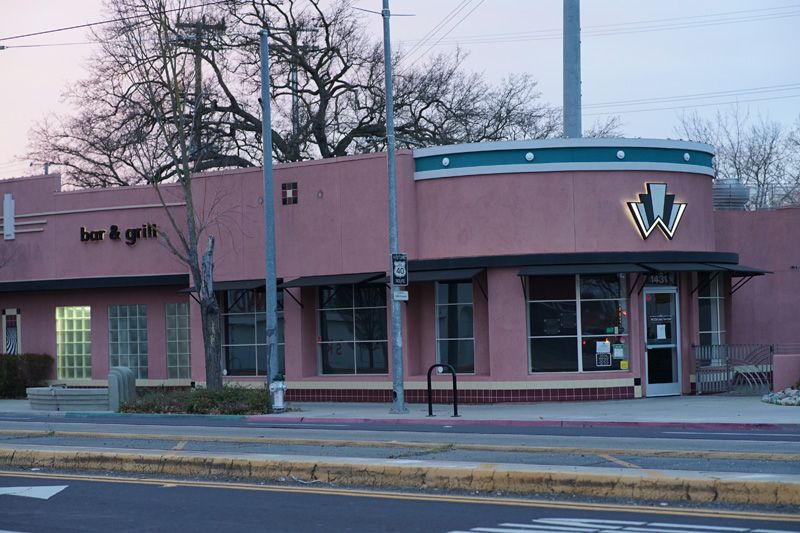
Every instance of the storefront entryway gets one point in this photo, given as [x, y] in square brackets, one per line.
[662, 341]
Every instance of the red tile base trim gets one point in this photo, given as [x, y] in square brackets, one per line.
[464, 396]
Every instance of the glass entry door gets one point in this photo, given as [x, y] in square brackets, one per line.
[662, 342]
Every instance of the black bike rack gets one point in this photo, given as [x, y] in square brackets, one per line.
[455, 388]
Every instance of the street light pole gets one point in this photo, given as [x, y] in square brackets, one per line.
[398, 392]
[269, 216]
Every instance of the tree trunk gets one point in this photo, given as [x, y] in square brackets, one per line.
[209, 309]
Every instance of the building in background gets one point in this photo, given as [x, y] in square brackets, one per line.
[565, 269]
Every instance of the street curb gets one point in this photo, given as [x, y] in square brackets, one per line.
[523, 479]
[451, 421]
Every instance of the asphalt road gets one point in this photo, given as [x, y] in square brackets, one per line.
[749, 451]
[86, 503]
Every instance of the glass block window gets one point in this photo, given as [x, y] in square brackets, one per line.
[244, 330]
[179, 353]
[711, 303]
[74, 342]
[352, 337]
[455, 338]
[127, 338]
[578, 323]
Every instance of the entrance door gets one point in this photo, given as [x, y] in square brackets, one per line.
[662, 341]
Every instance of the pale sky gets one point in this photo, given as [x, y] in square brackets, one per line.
[667, 56]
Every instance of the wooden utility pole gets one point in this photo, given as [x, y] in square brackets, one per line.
[200, 30]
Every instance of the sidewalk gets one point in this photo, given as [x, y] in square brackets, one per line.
[714, 410]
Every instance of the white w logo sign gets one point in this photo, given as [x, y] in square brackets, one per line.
[657, 208]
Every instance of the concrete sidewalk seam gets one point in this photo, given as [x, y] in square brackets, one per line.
[421, 474]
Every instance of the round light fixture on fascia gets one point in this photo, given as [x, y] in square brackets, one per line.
[620, 154]
[445, 162]
[529, 156]
[686, 156]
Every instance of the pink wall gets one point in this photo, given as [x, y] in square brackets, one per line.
[552, 212]
[766, 309]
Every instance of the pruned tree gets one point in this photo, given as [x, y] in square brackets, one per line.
[758, 153]
[159, 84]
[326, 78]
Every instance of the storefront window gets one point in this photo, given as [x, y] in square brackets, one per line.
[245, 332]
[455, 339]
[711, 303]
[74, 342]
[352, 329]
[578, 323]
[179, 363]
[127, 338]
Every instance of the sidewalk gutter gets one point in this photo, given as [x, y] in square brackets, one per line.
[435, 421]
[757, 489]
[452, 421]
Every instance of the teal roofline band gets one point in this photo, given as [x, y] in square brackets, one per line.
[554, 155]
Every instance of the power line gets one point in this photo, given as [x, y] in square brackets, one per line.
[47, 45]
[436, 28]
[449, 31]
[697, 96]
[691, 106]
[631, 27]
[109, 21]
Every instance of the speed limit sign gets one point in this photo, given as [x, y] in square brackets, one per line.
[400, 270]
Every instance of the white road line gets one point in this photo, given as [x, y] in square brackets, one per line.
[549, 527]
[720, 433]
[709, 528]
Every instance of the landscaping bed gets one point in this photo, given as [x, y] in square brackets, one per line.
[226, 401]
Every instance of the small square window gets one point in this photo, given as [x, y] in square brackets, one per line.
[289, 193]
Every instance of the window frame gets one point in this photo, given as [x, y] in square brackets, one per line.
[222, 296]
[716, 299]
[579, 335]
[437, 305]
[353, 308]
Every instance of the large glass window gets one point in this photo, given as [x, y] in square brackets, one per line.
[74, 342]
[244, 330]
[455, 338]
[711, 303]
[578, 323]
[179, 353]
[352, 329]
[127, 338]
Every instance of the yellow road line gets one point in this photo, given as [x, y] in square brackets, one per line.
[626, 464]
[616, 461]
[383, 494]
[429, 446]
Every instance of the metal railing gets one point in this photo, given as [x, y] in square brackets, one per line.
[452, 370]
[745, 368]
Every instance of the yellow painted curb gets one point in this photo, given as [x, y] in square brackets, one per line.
[483, 477]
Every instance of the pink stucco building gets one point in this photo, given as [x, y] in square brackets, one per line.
[541, 270]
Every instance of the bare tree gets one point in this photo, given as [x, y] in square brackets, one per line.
[157, 83]
[757, 153]
[326, 80]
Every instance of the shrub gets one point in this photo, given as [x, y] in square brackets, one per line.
[226, 401]
[17, 372]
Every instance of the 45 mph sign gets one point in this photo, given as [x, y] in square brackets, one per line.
[400, 270]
